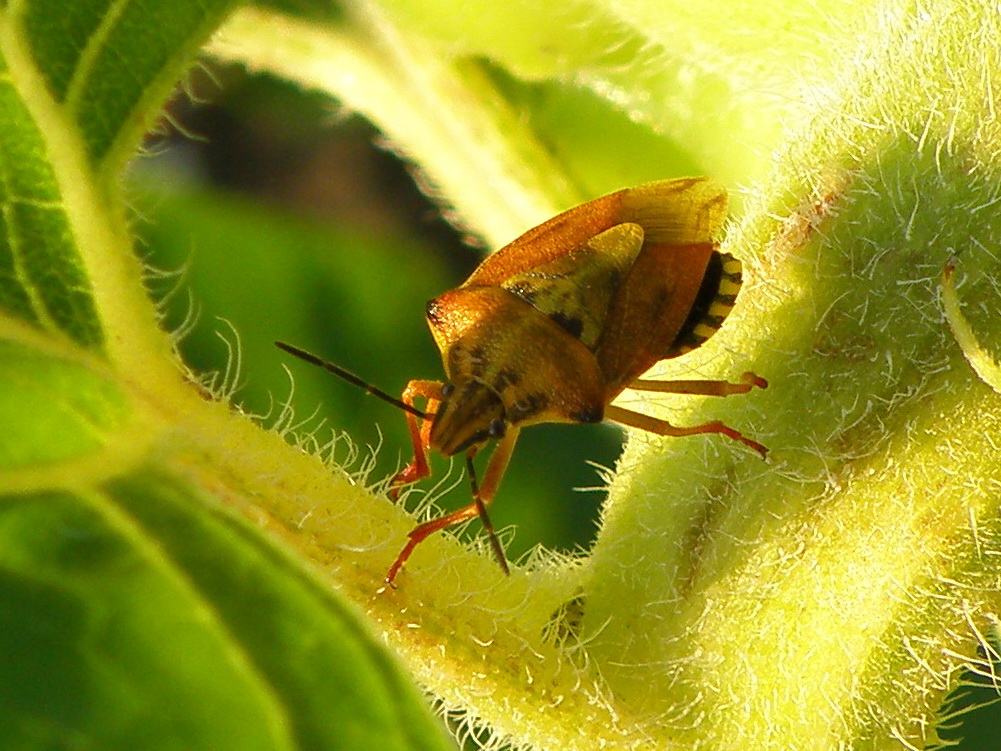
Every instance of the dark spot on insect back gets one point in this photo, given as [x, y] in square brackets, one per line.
[588, 414]
[478, 361]
[505, 379]
[468, 361]
[526, 407]
[455, 357]
[573, 325]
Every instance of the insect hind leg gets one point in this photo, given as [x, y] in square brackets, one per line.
[663, 427]
[748, 381]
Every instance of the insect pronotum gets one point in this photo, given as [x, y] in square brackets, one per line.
[554, 326]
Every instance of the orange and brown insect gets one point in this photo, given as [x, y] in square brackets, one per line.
[554, 326]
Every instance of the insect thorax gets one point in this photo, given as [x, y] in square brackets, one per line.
[493, 342]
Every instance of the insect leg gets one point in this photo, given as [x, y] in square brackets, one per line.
[419, 433]
[706, 388]
[482, 496]
[662, 427]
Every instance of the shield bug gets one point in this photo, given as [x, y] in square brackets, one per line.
[554, 326]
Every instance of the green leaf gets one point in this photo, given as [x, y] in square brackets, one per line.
[143, 599]
[107, 642]
[44, 282]
[110, 65]
[138, 608]
[54, 409]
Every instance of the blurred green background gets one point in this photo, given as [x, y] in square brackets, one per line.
[274, 216]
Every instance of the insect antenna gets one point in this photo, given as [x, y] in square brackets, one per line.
[351, 378]
[481, 509]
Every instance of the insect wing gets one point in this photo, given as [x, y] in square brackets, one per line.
[689, 210]
[679, 219]
[647, 316]
[654, 301]
[557, 237]
[679, 211]
[576, 289]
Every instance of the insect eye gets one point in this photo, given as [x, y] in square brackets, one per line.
[497, 428]
[447, 390]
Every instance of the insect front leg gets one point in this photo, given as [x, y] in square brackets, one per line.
[420, 431]
[483, 495]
